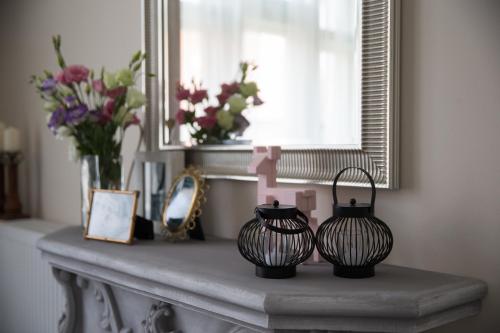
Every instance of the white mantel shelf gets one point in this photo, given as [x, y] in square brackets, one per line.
[213, 279]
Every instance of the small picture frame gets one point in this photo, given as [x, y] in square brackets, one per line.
[111, 216]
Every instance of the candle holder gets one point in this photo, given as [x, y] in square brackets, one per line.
[11, 204]
[276, 240]
[353, 239]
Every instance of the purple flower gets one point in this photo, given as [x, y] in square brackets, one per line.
[76, 115]
[49, 85]
[257, 101]
[241, 124]
[56, 120]
[95, 116]
[70, 101]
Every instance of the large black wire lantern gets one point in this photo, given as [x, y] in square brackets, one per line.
[353, 239]
[276, 240]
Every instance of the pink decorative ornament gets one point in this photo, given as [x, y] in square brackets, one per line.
[263, 164]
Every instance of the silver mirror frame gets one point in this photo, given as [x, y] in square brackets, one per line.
[379, 151]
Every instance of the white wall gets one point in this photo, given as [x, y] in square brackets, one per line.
[445, 217]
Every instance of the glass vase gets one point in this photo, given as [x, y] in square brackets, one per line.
[98, 172]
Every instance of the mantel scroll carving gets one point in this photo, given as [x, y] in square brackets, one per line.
[111, 320]
[67, 321]
[159, 319]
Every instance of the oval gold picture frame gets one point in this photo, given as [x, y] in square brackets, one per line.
[180, 232]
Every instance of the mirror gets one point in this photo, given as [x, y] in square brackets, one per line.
[328, 74]
[183, 205]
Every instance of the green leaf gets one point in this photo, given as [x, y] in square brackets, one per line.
[136, 57]
[137, 67]
[56, 41]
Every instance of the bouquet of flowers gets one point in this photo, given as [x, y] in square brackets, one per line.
[92, 109]
[212, 124]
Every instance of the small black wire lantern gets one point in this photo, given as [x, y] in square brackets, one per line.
[276, 240]
[353, 239]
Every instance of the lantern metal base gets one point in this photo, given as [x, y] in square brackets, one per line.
[275, 272]
[354, 272]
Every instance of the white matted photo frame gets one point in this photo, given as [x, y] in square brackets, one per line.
[111, 216]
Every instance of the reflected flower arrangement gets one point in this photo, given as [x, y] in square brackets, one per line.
[213, 124]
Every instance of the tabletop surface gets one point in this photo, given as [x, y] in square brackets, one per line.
[215, 269]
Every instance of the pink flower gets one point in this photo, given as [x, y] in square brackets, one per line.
[75, 74]
[135, 121]
[109, 108]
[211, 111]
[182, 93]
[222, 97]
[230, 89]
[180, 117]
[206, 122]
[60, 78]
[98, 86]
[198, 96]
[117, 92]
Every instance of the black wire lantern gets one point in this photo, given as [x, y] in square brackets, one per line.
[276, 240]
[353, 239]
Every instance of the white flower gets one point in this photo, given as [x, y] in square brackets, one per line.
[63, 132]
[249, 89]
[236, 104]
[125, 77]
[225, 120]
[50, 106]
[127, 119]
[110, 80]
[135, 98]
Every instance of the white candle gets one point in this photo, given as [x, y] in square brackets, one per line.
[11, 140]
[2, 129]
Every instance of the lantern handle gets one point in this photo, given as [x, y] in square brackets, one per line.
[264, 223]
[372, 183]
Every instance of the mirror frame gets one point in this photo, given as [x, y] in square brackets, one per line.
[189, 222]
[379, 150]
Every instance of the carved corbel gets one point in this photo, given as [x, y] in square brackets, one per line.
[67, 321]
[110, 319]
[159, 319]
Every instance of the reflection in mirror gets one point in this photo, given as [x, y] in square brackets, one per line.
[155, 182]
[309, 58]
[181, 203]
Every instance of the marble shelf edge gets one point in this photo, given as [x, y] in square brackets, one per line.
[460, 299]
